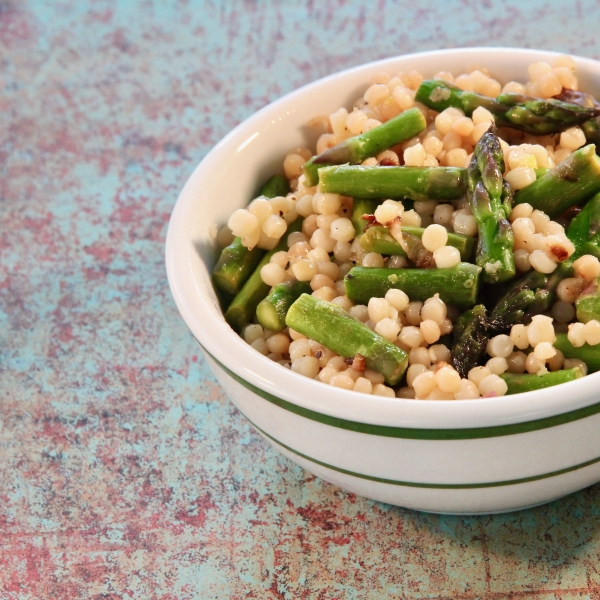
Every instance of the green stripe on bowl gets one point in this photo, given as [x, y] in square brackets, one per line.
[469, 433]
[436, 486]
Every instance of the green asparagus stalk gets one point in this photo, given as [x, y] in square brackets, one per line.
[416, 183]
[525, 382]
[571, 182]
[590, 355]
[331, 326]
[470, 339]
[584, 229]
[457, 285]
[271, 311]
[591, 128]
[378, 239]
[532, 115]
[361, 207]
[487, 198]
[360, 147]
[236, 263]
[243, 306]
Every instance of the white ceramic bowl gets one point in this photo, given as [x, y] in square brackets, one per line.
[477, 456]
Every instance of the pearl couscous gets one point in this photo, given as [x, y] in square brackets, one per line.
[321, 252]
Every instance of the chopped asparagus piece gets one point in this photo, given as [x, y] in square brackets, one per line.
[361, 207]
[416, 183]
[487, 196]
[470, 339]
[272, 310]
[458, 285]
[243, 306]
[584, 229]
[526, 382]
[590, 355]
[331, 326]
[379, 239]
[236, 263]
[571, 182]
[360, 147]
[532, 115]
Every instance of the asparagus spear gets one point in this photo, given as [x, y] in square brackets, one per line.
[584, 229]
[487, 196]
[360, 147]
[532, 115]
[526, 382]
[458, 285]
[378, 239]
[590, 355]
[591, 128]
[243, 306]
[271, 311]
[470, 339]
[416, 183]
[571, 182]
[236, 263]
[331, 326]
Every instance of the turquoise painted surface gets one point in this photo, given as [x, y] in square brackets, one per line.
[124, 470]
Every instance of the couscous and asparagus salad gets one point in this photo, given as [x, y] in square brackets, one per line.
[440, 242]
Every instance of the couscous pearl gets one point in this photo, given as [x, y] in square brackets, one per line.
[541, 262]
[299, 348]
[439, 353]
[521, 258]
[398, 299]
[556, 362]
[424, 384]
[482, 116]
[533, 364]
[467, 391]
[437, 394]
[260, 208]
[587, 267]
[563, 312]
[413, 313]
[415, 156]
[304, 270]
[342, 380]
[326, 204]
[373, 376]
[434, 308]
[493, 384]
[411, 336]
[342, 230]
[446, 257]
[274, 226]
[445, 327]
[326, 267]
[383, 390]
[521, 211]
[406, 392]
[442, 215]
[540, 330]
[518, 335]
[260, 345]
[342, 251]
[414, 371]
[252, 332]
[272, 274]
[430, 331]
[575, 334]
[419, 356]
[279, 343]
[385, 213]
[410, 218]
[388, 328]
[372, 259]
[447, 379]
[591, 332]
[425, 207]
[569, 289]
[306, 365]
[500, 345]
[572, 138]
[379, 308]
[571, 363]
[327, 373]
[360, 312]
[477, 374]
[325, 293]
[325, 221]
[497, 365]
[516, 362]
[362, 384]
[544, 351]
[319, 281]
[434, 237]
[464, 223]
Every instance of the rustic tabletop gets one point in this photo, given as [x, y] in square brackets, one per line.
[125, 472]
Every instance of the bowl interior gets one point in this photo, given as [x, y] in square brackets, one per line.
[230, 176]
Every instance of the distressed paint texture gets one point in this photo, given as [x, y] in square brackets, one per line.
[124, 470]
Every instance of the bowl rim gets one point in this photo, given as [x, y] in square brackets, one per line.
[259, 373]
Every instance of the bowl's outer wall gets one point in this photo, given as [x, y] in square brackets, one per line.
[228, 178]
